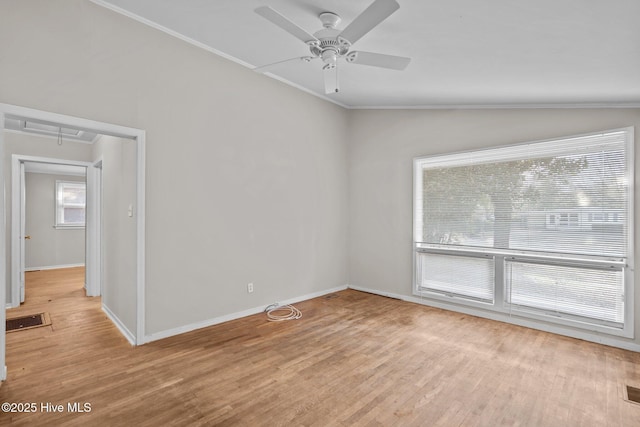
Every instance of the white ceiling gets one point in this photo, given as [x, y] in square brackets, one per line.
[464, 52]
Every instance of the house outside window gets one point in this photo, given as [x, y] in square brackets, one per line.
[523, 230]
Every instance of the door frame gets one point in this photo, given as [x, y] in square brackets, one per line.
[96, 243]
[139, 135]
[21, 222]
[18, 218]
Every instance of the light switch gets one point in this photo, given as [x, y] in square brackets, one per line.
[130, 211]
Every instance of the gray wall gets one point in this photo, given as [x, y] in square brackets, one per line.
[246, 177]
[118, 228]
[48, 246]
[382, 145]
[248, 180]
[32, 145]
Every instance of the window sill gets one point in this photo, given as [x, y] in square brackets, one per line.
[69, 227]
[535, 319]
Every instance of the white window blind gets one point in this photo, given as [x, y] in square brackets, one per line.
[564, 203]
[567, 196]
[457, 275]
[71, 200]
[582, 292]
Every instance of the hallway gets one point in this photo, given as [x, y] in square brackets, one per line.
[51, 363]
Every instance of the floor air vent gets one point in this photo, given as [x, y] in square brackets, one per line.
[28, 322]
[632, 394]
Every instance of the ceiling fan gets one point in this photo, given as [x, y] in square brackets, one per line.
[331, 44]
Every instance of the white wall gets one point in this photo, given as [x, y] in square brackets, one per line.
[118, 228]
[32, 145]
[246, 177]
[382, 145]
[48, 246]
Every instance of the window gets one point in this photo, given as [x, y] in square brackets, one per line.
[525, 229]
[70, 204]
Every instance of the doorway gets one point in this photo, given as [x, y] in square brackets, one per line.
[44, 119]
[59, 229]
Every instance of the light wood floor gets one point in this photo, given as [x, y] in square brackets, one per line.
[354, 359]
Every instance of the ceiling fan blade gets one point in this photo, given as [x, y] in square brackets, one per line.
[330, 79]
[269, 67]
[377, 12]
[378, 60]
[284, 23]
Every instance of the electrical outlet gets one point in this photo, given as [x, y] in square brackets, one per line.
[250, 287]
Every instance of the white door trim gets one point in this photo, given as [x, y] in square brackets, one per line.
[92, 261]
[21, 194]
[14, 111]
[3, 257]
[94, 246]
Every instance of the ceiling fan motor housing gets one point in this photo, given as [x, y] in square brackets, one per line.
[329, 47]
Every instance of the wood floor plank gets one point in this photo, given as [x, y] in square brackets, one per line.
[354, 359]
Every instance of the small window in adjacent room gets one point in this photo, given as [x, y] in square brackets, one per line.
[70, 204]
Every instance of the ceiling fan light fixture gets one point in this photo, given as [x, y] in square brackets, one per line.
[329, 57]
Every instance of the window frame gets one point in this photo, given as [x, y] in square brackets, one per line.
[510, 312]
[59, 207]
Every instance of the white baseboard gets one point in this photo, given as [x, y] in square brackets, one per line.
[53, 267]
[233, 316]
[528, 323]
[123, 329]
